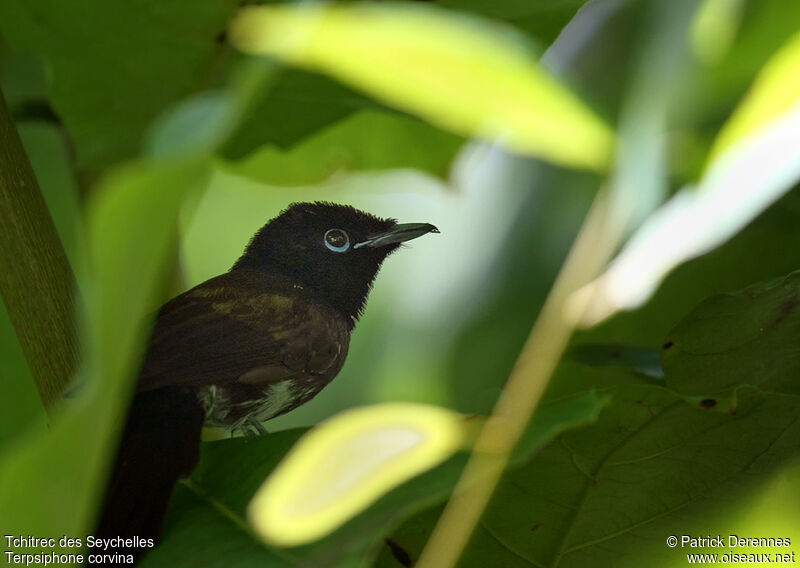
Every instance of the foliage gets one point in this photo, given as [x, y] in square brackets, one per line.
[144, 124]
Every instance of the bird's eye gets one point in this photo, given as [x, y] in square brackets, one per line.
[337, 240]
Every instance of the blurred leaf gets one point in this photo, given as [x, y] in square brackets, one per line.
[747, 337]
[346, 463]
[50, 480]
[775, 91]
[198, 124]
[368, 140]
[609, 495]
[294, 106]
[459, 73]
[202, 123]
[210, 508]
[113, 67]
[714, 28]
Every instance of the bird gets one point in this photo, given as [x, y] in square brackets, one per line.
[242, 348]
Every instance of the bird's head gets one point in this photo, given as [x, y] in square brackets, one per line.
[336, 250]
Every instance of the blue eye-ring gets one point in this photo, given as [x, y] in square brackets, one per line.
[336, 240]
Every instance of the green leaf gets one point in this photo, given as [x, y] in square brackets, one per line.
[368, 140]
[609, 495]
[348, 462]
[459, 73]
[747, 337]
[115, 66]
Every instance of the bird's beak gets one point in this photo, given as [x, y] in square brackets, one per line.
[398, 234]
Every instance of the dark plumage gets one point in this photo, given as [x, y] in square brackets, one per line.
[244, 347]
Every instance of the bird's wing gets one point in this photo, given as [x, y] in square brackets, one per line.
[223, 332]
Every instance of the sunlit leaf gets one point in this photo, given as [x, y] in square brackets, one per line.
[458, 73]
[346, 463]
[775, 91]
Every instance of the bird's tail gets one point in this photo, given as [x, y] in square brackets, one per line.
[160, 445]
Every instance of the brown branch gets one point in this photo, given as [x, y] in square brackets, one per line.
[36, 282]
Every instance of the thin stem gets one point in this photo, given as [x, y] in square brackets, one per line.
[36, 282]
[523, 391]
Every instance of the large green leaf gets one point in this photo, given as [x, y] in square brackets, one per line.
[747, 337]
[610, 494]
[210, 507]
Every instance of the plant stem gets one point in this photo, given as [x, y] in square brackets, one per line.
[523, 390]
[36, 282]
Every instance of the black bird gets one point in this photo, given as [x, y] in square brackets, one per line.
[244, 347]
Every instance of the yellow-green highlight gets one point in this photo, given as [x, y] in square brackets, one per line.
[459, 73]
[339, 468]
[775, 91]
[714, 28]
